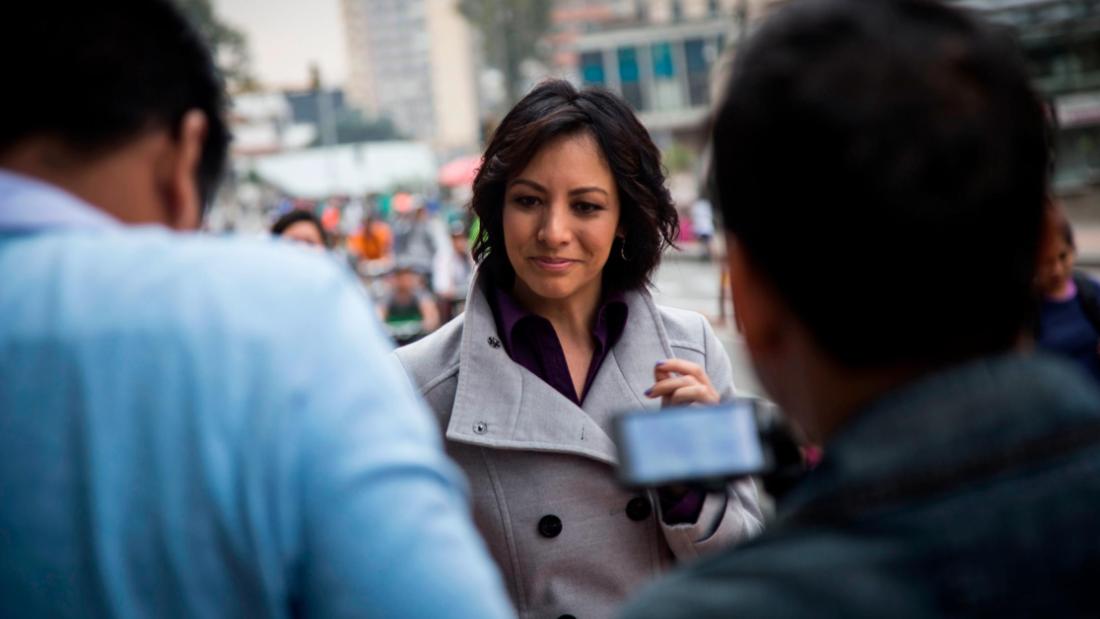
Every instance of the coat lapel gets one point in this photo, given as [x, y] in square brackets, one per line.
[627, 371]
[501, 405]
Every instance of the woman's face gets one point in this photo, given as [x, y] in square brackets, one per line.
[1056, 267]
[304, 232]
[561, 214]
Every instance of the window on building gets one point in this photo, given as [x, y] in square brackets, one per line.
[641, 10]
[592, 69]
[713, 8]
[698, 71]
[677, 10]
[667, 91]
[630, 77]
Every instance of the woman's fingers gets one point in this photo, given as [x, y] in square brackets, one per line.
[684, 368]
[683, 390]
[669, 385]
[696, 394]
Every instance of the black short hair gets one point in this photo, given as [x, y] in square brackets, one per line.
[555, 109]
[884, 164]
[96, 74]
[299, 215]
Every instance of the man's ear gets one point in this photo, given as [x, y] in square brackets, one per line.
[178, 183]
[760, 312]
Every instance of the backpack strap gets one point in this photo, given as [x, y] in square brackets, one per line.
[850, 503]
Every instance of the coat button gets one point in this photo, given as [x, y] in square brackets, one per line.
[480, 427]
[550, 526]
[638, 509]
[567, 617]
[494, 342]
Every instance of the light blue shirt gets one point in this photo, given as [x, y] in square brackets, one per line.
[193, 426]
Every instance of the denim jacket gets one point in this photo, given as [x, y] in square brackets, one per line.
[1013, 540]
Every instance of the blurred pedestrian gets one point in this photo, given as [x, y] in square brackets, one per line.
[301, 227]
[185, 426]
[560, 333]
[372, 242]
[960, 469]
[702, 223]
[413, 241]
[452, 273]
[408, 310]
[1069, 308]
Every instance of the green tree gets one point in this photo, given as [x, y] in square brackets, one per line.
[229, 45]
[510, 31]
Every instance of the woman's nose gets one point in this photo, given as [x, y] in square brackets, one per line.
[554, 227]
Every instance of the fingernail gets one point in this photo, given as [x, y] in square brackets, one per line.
[660, 363]
[648, 391]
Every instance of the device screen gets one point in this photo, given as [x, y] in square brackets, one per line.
[690, 443]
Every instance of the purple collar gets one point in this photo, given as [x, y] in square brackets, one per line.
[509, 314]
[530, 339]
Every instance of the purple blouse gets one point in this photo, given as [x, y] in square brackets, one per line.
[530, 340]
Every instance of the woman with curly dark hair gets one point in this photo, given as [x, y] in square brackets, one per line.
[559, 333]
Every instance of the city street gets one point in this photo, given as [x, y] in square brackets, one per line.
[686, 282]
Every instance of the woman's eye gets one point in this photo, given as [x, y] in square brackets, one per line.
[587, 207]
[525, 201]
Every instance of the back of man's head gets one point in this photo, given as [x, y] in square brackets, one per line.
[882, 163]
[95, 75]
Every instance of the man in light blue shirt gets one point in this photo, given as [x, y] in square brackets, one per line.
[192, 426]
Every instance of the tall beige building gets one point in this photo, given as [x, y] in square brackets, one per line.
[414, 61]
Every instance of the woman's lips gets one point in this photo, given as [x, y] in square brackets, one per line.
[553, 264]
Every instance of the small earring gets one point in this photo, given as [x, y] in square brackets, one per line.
[622, 249]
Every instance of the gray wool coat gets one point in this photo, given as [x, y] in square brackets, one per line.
[541, 469]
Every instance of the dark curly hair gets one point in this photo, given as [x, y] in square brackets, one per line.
[555, 109]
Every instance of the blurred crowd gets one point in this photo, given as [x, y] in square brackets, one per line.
[413, 254]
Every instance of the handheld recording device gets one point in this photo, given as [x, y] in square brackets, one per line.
[691, 444]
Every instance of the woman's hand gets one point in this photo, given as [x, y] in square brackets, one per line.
[681, 382]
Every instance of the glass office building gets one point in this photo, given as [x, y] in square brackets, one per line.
[1061, 39]
[663, 71]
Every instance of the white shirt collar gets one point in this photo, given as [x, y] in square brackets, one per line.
[30, 204]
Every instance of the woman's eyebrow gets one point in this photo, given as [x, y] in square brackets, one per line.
[581, 190]
[531, 184]
[572, 192]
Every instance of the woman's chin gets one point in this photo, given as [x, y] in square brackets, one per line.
[552, 292]
[550, 288]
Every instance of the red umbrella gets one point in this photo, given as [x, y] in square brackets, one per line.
[460, 172]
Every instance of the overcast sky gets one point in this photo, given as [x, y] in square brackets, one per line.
[285, 36]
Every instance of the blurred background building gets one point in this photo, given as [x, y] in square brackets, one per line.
[382, 108]
[414, 62]
[1061, 39]
[439, 75]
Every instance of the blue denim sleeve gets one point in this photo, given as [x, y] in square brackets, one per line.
[386, 529]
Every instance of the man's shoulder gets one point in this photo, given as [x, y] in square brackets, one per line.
[799, 573]
[734, 583]
[152, 280]
[272, 266]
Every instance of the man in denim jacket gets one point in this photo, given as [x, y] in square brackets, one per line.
[882, 167]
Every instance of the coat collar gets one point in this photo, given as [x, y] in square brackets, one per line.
[500, 404]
